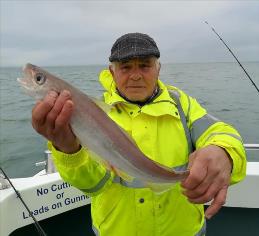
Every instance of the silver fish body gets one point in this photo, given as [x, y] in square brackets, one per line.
[98, 133]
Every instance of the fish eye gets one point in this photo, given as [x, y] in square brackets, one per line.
[40, 78]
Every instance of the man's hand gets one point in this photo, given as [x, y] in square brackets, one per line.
[50, 118]
[210, 170]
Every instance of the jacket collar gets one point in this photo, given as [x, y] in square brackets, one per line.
[163, 104]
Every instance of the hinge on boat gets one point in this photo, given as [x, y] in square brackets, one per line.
[3, 182]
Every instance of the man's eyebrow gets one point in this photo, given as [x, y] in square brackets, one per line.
[124, 62]
[141, 60]
[145, 60]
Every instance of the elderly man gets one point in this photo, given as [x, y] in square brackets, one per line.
[168, 126]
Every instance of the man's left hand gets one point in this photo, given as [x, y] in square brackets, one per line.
[210, 171]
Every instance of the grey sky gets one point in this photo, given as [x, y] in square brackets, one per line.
[82, 32]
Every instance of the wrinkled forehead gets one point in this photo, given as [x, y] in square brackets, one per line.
[138, 60]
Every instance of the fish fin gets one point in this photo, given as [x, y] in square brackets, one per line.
[159, 188]
[104, 106]
[123, 175]
[109, 166]
[183, 173]
[107, 108]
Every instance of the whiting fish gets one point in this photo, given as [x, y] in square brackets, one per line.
[98, 132]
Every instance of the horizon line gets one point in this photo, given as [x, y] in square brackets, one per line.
[71, 65]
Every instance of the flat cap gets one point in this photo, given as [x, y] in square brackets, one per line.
[133, 45]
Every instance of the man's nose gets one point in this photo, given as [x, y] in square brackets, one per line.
[136, 74]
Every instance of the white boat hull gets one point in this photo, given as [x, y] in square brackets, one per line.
[46, 196]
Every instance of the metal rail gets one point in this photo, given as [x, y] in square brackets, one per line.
[251, 146]
[50, 168]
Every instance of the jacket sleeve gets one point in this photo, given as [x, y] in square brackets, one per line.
[81, 171]
[208, 130]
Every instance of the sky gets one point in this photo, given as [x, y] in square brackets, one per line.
[69, 32]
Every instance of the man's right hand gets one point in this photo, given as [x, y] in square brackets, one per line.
[50, 118]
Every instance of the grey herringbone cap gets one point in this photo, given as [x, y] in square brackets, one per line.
[133, 45]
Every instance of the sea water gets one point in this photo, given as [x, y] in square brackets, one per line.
[222, 88]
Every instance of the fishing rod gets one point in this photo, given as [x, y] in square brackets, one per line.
[233, 56]
[41, 232]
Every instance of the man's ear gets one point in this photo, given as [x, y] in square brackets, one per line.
[111, 69]
[159, 67]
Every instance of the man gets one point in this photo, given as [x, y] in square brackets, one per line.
[168, 126]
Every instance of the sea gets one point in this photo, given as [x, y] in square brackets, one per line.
[222, 88]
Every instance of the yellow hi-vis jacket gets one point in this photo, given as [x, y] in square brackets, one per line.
[121, 208]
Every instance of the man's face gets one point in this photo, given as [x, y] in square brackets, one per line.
[136, 79]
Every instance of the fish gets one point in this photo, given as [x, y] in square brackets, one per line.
[108, 143]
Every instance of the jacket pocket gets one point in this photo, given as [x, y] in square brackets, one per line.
[104, 204]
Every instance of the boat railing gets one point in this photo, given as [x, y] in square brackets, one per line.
[50, 168]
[47, 163]
[251, 146]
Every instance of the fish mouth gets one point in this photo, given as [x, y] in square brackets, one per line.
[23, 82]
[28, 74]
[27, 89]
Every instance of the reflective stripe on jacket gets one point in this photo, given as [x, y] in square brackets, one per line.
[122, 208]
